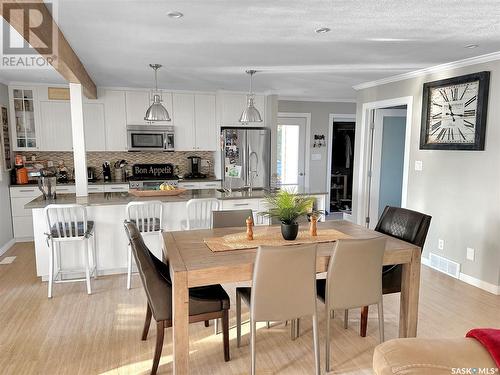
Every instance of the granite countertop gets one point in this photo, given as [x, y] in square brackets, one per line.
[71, 183]
[110, 199]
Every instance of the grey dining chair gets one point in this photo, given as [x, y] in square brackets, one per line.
[283, 288]
[354, 279]
[230, 218]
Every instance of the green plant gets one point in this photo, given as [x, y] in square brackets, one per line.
[287, 207]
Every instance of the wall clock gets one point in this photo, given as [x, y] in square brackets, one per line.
[454, 113]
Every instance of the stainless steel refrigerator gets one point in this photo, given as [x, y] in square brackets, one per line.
[250, 149]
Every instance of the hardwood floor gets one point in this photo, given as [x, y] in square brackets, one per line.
[75, 333]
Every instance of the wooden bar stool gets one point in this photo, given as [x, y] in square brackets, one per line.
[148, 217]
[68, 223]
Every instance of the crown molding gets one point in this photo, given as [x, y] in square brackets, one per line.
[433, 69]
[309, 99]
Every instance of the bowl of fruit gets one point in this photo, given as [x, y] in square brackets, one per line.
[164, 189]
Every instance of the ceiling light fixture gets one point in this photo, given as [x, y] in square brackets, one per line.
[250, 113]
[175, 14]
[471, 46]
[156, 111]
[322, 30]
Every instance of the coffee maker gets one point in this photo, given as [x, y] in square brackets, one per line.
[195, 162]
[106, 171]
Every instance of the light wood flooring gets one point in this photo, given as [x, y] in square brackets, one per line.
[75, 333]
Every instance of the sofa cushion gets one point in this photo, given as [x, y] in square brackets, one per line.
[430, 356]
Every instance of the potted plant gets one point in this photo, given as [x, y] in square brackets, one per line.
[287, 207]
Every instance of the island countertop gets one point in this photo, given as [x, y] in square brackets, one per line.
[113, 199]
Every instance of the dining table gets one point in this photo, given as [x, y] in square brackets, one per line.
[192, 264]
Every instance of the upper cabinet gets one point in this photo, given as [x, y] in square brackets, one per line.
[55, 134]
[95, 132]
[137, 103]
[115, 120]
[24, 117]
[195, 125]
[232, 105]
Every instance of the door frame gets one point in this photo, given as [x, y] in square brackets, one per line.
[332, 117]
[362, 179]
[307, 157]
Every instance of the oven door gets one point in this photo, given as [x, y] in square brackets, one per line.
[147, 141]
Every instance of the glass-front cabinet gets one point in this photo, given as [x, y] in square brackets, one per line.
[23, 118]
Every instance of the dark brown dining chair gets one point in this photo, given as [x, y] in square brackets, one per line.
[205, 303]
[407, 225]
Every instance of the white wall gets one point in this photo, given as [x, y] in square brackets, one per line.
[6, 234]
[460, 189]
[320, 112]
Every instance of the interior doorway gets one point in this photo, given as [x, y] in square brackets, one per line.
[387, 164]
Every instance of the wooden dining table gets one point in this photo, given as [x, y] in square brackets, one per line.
[193, 264]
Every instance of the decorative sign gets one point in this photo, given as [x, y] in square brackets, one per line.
[6, 140]
[153, 171]
[233, 171]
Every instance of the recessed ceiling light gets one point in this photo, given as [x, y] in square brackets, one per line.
[471, 46]
[322, 30]
[175, 14]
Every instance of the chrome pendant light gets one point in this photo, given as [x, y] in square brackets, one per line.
[156, 111]
[250, 114]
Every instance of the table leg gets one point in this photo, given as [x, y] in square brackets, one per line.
[410, 286]
[180, 323]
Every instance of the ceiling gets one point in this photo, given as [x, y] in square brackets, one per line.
[211, 46]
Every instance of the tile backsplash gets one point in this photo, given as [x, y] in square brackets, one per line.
[95, 159]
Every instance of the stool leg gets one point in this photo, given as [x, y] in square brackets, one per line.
[87, 266]
[51, 267]
[94, 253]
[129, 267]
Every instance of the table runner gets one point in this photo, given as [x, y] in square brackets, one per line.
[270, 236]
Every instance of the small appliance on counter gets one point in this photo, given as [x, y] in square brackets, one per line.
[151, 176]
[21, 171]
[91, 175]
[120, 170]
[62, 174]
[195, 167]
[47, 183]
[106, 171]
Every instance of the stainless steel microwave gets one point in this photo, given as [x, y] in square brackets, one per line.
[150, 138]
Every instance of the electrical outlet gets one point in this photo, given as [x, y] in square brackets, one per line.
[418, 165]
[471, 253]
[441, 244]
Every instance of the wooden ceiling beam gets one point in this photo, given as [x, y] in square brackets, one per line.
[43, 32]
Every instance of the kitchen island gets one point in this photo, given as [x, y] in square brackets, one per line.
[107, 210]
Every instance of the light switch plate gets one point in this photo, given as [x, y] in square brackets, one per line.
[471, 253]
[441, 244]
[418, 165]
[316, 157]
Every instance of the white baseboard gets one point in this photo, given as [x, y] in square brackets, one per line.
[484, 285]
[7, 246]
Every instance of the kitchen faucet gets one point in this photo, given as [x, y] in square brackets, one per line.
[252, 173]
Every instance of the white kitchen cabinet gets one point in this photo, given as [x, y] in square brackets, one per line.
[22, 220]
[24, 117]
[200, 185]
[65, 189]
[96, 189]
[95, 132]
[232, 105]
[137, 103]
[207, 135]
[117, 188]
[115, 120]
[55, 126]
[195, 124]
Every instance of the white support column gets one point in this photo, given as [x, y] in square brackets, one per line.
[78, 131]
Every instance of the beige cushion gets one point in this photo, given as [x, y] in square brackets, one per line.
[429, 356]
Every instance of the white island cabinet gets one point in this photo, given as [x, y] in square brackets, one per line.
[108, 211]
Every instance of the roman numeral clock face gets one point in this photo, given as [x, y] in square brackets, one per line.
[452, 114]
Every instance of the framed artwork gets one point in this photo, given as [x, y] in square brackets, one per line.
[454, 113]
[6, 149]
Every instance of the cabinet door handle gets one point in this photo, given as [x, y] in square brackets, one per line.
[27, 191]
[241, 204]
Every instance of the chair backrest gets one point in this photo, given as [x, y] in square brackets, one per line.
[66, 221]
[284, 283]
[199, 212]
[147, 215]
[407, 225]
[230, 218]
[354, 277]
[157, 284]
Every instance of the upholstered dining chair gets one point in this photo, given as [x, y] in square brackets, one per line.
[283, 288]
[354, 279]
[205, 303]
[407, 225]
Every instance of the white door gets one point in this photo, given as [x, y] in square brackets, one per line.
[388, 152]
[291, 152]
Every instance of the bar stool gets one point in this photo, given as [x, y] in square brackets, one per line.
[199, 212]
[148, 217]
[68, 223]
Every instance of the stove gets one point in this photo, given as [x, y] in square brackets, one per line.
[151, 176]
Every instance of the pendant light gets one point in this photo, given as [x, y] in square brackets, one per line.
[250, 114]
[156, 111]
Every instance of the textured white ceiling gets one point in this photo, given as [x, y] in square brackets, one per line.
[211, 46]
